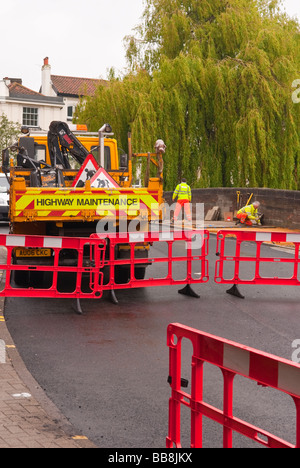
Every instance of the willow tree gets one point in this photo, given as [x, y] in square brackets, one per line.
[213, 78]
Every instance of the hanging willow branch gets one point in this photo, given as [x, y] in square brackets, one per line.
[214, 83]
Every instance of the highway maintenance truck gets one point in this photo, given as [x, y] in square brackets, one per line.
[65, 183]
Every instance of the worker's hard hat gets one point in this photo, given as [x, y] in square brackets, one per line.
[256, 203]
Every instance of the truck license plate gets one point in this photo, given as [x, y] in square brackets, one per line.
[32, 252]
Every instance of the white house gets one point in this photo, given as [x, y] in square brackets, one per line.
[57, 99]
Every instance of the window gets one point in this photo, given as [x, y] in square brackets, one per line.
[40, 152]
[70, 112]
[107, 156]
[107, 160]
[30, 116]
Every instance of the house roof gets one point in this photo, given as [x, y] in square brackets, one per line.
[71, 86]
[19, 92]
[16, 89]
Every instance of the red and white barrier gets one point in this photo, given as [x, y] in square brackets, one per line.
[233, 359]
[235, 261]
[97, 259]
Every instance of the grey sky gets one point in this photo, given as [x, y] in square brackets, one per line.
[81, 38]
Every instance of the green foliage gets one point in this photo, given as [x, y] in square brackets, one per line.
[9, 132]
[213, 79]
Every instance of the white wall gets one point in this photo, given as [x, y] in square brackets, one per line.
[46, 113]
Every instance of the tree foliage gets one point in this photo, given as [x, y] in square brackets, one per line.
[9, 132]
[214, 80]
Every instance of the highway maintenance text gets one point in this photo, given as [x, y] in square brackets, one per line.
[86, 201]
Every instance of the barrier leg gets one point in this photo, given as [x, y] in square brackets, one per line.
[78, 307]
[113, 297]
[188, 291]
[297, 404]
[228, 396]
[234, 291]
[173, 438]
[197, 395]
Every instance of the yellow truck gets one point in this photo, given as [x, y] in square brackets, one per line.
[66, 183]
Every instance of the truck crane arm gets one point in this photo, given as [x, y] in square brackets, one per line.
[61, 143]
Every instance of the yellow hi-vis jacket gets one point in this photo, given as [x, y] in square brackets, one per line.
[183, 192]
[250, 211]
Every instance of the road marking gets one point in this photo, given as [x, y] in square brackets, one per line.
[21, 395]
[2, 352]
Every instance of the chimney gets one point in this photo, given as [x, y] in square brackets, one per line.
[9, 81]
[46, 88]
[4, 90]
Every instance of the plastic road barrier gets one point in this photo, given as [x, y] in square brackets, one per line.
[233, 359]
[94, 264]
[235, 262]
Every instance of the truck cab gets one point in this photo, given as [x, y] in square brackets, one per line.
[46, 198]
[113, 160]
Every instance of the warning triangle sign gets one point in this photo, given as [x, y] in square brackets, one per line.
[86, 172]
[103, 180]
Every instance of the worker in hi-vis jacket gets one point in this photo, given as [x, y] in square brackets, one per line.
[248, 214]
[184, 197]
